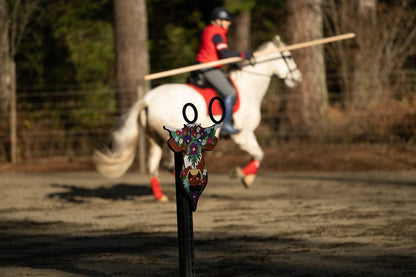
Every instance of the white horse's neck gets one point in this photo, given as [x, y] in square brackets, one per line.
[253, 81]
[251, 85]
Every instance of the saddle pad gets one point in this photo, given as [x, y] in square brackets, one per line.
[209, 93]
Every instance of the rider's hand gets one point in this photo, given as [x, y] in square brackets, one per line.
[248, 55]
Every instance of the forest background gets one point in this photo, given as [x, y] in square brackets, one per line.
[62, 71]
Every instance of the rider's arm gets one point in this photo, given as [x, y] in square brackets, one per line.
[223, 50]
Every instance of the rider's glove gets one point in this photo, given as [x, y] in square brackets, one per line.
[249, 56]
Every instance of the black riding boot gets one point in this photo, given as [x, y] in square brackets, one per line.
[227, 128]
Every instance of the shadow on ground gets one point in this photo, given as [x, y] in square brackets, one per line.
[78, 194]
[31, 244]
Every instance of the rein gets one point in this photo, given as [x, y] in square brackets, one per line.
[284, 57]
[257, 73]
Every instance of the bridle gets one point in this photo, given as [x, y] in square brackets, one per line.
[291, 70]
[285, 58]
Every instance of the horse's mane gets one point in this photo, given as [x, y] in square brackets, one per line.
[264, 48]
[276, 41]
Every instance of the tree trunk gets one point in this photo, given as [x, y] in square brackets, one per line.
[242, 24]
[5, 77]
[7, 80]
[131, 51]
[367, 86]
[307, 101]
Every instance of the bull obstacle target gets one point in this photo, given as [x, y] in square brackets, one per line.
[191, 176]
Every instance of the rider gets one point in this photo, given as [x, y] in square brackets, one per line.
[214, 47]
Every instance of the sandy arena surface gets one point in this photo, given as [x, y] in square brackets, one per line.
[288, 224]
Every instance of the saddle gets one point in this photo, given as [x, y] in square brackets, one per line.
[197, 78]
[197, 81]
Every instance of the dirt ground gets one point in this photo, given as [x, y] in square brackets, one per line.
[311, 212]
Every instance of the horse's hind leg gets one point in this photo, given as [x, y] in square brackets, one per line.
[248, 142]
[155, 155]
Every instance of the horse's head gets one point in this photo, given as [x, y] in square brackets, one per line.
[282, 63]
[289, 71]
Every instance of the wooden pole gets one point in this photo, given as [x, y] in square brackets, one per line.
[190, 68]
[237, 59]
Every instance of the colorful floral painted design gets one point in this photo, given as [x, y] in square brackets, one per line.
[193, 140]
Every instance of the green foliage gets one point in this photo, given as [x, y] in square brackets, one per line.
[71, 50]
[89, 40]
[239, 5]
[71, 45]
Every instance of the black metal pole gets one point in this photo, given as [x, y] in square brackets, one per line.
[185, 223]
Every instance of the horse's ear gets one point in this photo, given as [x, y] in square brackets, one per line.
[277, 41]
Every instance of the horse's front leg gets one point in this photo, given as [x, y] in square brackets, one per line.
[155, 155]
[248, 142]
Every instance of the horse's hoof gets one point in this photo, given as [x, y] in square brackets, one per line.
[163, 198]
[247, 180]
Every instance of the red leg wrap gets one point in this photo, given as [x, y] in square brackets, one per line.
[252, 167]
[157, 191]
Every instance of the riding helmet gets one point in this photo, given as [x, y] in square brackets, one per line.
[221, 13]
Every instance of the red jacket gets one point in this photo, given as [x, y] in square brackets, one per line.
[214, 45]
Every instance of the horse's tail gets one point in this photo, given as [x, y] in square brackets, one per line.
[114, 162]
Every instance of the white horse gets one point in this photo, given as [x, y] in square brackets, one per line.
[162, 106]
